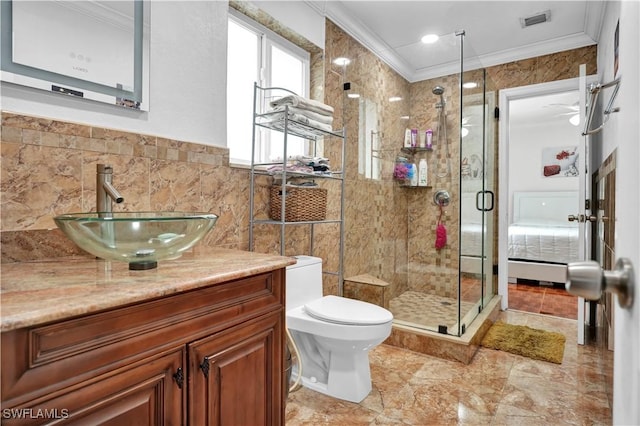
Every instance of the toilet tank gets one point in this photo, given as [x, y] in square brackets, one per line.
[304, 281]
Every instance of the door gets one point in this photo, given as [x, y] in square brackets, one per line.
[148, 392]
[508, 99]
[584, 189]
[477, 199]
[237, 375]
[624, 127]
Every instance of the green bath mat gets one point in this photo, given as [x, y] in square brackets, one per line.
[525, 341]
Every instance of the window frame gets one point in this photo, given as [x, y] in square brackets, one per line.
[266, 40]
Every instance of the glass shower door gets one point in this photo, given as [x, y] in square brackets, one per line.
[477, 200]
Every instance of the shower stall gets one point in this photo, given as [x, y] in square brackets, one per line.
[395, 255]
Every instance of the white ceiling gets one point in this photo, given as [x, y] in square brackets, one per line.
[493, 32]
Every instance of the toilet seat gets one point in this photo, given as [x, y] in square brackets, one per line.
[342, 310]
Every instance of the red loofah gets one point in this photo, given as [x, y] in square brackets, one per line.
[441, 236]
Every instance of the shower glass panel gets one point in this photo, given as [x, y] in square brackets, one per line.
[391, 254]
[477, 195]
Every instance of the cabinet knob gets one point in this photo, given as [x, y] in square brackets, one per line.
[179, 377]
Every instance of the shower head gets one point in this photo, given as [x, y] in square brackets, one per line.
[438, 91]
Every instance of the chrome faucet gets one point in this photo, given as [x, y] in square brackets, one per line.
[105, 192]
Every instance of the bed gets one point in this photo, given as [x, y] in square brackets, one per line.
[541, 239]
[471, 230]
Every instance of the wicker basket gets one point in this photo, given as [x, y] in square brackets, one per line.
[301, 203]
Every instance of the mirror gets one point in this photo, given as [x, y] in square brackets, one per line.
[369, 144]
[91, 49]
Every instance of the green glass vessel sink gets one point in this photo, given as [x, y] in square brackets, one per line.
[139, 238]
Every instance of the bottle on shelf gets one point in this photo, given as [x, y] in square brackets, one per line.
[407, 138]
[428, 135]
[422, 172]
[413, 175]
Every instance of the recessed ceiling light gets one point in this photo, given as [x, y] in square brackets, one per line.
[470, 85]
[395, 99]
[429, 38]
[341, 61]
[353, 95]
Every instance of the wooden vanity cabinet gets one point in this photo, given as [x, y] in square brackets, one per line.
[210, 356]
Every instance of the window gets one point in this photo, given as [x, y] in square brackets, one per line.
[256, 54]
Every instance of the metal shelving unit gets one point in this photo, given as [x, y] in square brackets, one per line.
[316, 137]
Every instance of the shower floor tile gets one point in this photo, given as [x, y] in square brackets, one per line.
[427, 309]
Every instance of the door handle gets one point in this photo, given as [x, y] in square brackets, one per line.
[480, 194]
[576, 218]
[589, 280]
[592, 218]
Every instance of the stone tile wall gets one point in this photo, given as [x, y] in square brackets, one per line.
[49, 168]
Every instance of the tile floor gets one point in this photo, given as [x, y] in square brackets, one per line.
[544, 299]
[496, 388]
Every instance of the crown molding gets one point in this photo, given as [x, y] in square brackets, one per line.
[510, 55]
[361, 33]
[594, 19]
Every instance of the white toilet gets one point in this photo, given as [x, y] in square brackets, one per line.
[333, 334]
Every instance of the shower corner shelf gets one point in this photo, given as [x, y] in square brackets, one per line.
[316, 138]
[415, 186]
[414, 150]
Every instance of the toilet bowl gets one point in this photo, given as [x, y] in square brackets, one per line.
[333, 334]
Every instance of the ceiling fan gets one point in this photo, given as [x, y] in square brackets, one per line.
[572, 110]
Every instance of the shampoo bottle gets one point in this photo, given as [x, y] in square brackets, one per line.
[428, 135]
[413, 175]
[407, 138]
[422, 173]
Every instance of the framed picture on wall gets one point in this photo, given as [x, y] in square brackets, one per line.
[560, 162]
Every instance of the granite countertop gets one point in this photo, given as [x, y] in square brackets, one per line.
[33, 293]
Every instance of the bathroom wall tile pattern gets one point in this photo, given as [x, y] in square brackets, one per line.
[374, 213]
[49, 166]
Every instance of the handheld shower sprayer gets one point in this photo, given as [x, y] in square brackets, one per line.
[441, 134]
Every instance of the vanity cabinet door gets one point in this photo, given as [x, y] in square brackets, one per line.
[237, 375]
[144, 393]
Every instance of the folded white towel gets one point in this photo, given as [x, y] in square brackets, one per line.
[277, 121]
[326, 119]
[304, 103]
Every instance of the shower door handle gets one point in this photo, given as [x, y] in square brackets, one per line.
[481, 194]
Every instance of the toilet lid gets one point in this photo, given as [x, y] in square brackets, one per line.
[342, 310]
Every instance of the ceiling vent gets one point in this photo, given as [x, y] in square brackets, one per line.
[537, 18]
